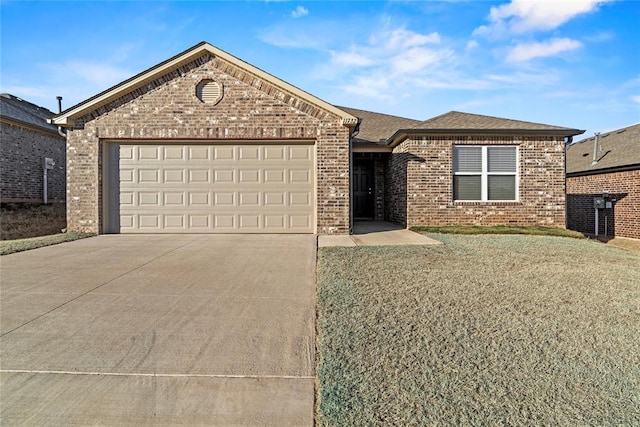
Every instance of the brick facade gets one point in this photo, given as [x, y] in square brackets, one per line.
[420, 183]
[622, 220]
[167, 108]
[21, 172]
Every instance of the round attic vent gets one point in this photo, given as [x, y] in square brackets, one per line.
[209, 92]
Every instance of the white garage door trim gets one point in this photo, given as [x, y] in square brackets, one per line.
[196, 187]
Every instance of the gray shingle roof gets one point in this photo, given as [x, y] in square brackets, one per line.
[19, 110]
[378, 127]
[618, 148]
[383, 129]
[466, 121]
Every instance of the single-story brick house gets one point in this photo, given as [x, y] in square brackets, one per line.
[205, 142]
[610, 170]
[26, 140]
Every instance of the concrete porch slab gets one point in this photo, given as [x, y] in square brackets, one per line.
[376, 233]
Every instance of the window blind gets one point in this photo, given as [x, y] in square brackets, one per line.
[467, 159]
[501, 159]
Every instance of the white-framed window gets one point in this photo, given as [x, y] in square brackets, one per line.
[483, 173]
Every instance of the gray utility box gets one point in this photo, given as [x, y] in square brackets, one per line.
[599, 202]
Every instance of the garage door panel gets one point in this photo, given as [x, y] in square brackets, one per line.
[249, 153]
[199, 176]
[224, 198]
[299, 176]
[216, 188]
[149, 153]
[274, 153]
[148, 176]
[300, 153]
[174, 222]
[199, 198]
[174, 198]
[199, 152]
[224, 176]
[224, 153]
[149, 198]
[127, 175]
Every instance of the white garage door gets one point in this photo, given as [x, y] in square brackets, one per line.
[197, 188]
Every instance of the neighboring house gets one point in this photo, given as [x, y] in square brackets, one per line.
[205, 142]
[611, 175]
[26, 139]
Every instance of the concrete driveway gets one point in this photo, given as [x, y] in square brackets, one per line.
[159, 330]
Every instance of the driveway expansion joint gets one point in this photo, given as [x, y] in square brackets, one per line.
[148, 374]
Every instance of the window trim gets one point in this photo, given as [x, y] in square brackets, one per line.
[484, 174]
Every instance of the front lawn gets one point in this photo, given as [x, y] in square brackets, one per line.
[12, 246]
[483, 330]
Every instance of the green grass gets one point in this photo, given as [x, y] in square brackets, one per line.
[536, 230]
[11, 246]
[483, 330]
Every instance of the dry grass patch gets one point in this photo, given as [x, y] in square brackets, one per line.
[21, 221]
[483, 330]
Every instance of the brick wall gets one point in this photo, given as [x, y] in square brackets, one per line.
[22, 151]
[623, 220]
[396, 185]
[167, 108]
[420, 190]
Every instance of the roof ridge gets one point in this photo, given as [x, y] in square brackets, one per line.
[618, 130]
[460, 115]
[22, 101]
[376, 112]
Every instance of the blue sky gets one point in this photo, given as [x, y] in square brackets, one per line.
[573, 63]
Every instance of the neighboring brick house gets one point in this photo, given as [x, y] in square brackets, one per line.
[613, 173]
[205, 142]
[26, 139]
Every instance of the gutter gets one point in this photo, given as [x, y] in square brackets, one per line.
[402, 134]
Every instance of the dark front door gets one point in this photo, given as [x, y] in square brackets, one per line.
[363, 200]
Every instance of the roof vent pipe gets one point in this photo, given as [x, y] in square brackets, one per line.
[60, 131]
[596, 148]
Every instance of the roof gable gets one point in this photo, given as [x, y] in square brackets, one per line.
[617, 149]
[67, 117]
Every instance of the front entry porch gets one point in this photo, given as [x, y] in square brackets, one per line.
[368, 186]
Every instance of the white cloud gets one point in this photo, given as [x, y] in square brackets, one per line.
[351, 59]
[636, 99]
[526, 51]
[402, 39]
[472, 44]
[299, 12]
[96, 73]
[417, 59]
[390, 60]
[522, 16]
